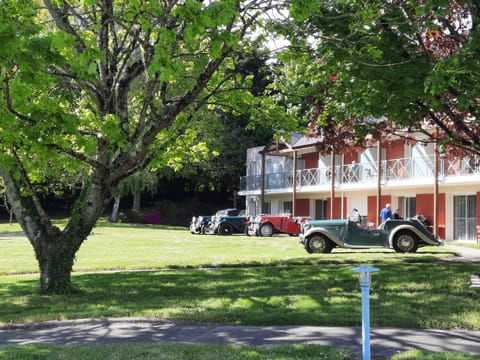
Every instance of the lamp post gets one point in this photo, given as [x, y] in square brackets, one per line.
[364, 278]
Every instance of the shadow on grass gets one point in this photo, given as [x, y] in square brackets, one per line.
[409, 295]
[8, 235]
[351, 257]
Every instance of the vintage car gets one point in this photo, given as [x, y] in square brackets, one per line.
[226, 224]
[199, 224]
[267, 225]
[404, 236]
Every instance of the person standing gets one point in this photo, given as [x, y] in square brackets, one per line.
[386, 213]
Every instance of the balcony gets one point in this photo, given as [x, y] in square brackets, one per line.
[395, 170]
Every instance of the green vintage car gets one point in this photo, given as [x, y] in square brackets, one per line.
[404, 236]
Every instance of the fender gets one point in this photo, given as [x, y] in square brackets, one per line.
[429, 240]
[266, 222]
[332, 237]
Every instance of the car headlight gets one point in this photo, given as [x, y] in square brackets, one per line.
[200, 218]
[305, 227]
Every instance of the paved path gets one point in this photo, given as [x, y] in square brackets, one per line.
[385, 342]
[465, 254]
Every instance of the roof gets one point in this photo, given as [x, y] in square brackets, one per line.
[305, 141]
[296, 141]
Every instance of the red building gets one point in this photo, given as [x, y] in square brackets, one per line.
[294, 177]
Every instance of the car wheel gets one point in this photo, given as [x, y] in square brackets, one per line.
[225, 229]
[318, 244]
[266, 230]
[203, 230]
[404, 241]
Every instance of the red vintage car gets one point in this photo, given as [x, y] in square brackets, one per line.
[267, 225]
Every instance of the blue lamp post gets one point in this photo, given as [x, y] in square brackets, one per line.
[364, 277]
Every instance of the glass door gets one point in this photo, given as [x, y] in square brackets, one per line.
[464, 217]
[408, 206]
[320, 209]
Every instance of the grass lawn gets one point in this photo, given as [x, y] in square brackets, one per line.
[200, 352]
[235, 280]
[136, 247]
[174, 351]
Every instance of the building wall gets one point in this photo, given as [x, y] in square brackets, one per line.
[302, 207]
[311, 160]
[425, 207]
[340, 204]
[364, 196]
[254, 161]
[478, 216]
[359, 202]
[351, 157]
[373, 215]
[394, 149]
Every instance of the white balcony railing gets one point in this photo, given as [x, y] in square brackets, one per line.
[392, 170]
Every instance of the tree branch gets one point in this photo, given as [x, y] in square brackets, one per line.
[60, 16]
[11, 108]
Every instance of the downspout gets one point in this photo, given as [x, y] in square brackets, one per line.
[332, 189]
[435, 188]
[294, 182]
[379, 182]
[262, 185]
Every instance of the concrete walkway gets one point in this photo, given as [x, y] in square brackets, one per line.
[465, 254]
[385, 342]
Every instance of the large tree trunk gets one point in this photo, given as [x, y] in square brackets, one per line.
[55, 258]
[55, 249]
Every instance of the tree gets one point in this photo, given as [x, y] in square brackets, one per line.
[234, 134]
[106, 88]
[413, 64]
[134, 185]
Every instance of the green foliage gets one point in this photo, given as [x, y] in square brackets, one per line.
[62, 115]
[210, 153]
[93, 92]
[408, 61]
[145, 181]
[423, 355]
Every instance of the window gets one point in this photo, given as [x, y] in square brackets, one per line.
[410, 207]
[267, 208]
[320, 209]
[288, 207]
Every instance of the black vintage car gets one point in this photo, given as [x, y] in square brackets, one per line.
[198, 224]
[201, 224]
[227, 224]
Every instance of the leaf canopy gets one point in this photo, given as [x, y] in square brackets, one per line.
[111, 86]
[412, 62]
